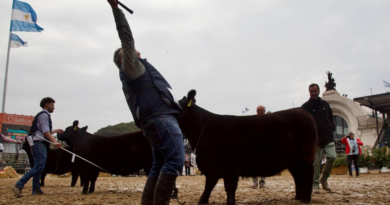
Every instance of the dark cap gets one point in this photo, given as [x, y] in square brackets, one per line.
[46, 100]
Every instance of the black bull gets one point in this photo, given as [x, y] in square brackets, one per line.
[57, 162]
[231, 146]
[121, 155]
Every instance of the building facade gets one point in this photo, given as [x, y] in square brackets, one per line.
[351, 117]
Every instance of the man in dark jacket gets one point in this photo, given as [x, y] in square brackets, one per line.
[323, 117]
[154, 110]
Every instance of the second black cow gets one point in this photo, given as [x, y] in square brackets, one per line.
[120, 155]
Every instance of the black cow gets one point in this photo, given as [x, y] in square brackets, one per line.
[57, 162]
[120, 155]
[260, 145]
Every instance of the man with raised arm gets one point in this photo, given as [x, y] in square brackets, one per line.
[154, 110]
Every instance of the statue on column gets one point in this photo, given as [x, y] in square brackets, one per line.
[330, 85]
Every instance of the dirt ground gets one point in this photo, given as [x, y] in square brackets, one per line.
[367, 189]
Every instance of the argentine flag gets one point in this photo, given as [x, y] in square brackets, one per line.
[387, 85]
[24, 18]
[16, 42]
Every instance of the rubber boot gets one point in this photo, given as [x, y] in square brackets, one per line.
[164, 188]
[148, 194]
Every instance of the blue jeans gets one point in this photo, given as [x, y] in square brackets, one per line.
[166, 139]
[39, 151]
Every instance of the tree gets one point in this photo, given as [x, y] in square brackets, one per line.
[118, 129]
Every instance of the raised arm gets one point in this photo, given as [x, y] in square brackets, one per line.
[130, 64]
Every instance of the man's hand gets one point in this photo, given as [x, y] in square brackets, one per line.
[18, 142]
[113, 3]
[58, 131]
[58, 145]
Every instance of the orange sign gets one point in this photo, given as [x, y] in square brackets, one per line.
[12, 119]
[16, 119]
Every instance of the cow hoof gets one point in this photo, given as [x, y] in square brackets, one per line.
[306, 201]
[297, 198]
[203, 202]
[84, 192]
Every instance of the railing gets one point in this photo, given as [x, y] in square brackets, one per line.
[381, 134]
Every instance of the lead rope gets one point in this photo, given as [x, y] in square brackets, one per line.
[174, 196]
[69, 152]
[204, 126]
[58, 158]
[175, 190]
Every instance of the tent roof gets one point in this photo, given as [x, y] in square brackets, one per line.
[380, 102]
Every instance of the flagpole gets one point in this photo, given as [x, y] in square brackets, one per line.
[6, 67]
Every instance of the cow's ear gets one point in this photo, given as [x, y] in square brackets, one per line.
[84, 128]
[75, 124]
[191, 98]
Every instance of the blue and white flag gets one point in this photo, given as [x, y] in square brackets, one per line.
[387, 85]
[24, 18]
[16, 42]
[246, 109]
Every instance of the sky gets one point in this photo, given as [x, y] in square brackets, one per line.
[236, 54]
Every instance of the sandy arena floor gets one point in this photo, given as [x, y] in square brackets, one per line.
[367, 189]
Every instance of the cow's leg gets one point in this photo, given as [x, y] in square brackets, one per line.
[210, 184]
[297, 175]
[74, 179]
[43, 175]
[230, 188]
[85, 187]
[307, 174]
[86, 180]
[82, 180]
[93, 180]
[303, 173]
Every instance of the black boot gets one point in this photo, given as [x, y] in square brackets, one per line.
[164, 188]
[148, 194]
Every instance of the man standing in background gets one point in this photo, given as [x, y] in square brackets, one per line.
[323, 116]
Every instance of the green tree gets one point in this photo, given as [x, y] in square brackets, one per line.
[118, 129]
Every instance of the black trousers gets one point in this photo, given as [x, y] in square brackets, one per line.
[355, 159]
[188, 171]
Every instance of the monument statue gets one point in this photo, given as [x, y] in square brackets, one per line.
[330, 85]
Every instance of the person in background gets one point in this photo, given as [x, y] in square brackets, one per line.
[260, 111]
[9, 140]
[187, 165]
[323, 116]
[352, 149]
